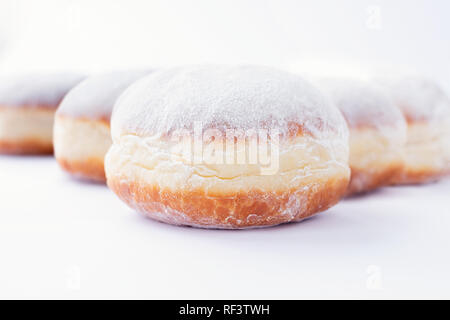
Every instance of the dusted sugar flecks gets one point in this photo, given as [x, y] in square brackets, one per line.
[95, 96]
[36, 90]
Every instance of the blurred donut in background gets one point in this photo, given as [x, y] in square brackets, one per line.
[82, 131]
[426, 108]
[27, 108]
[377, 131]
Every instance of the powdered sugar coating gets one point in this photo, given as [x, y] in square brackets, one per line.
[95, 96]
[36, 90]
[363, 104]
[235, 97]
[419, 98]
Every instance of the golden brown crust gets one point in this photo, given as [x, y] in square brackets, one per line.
[372, 180]
[252, 209]
[40, 107]
[25, 132]
[417, 176]
[294, 130]
[89, 169]
[414, 121]
[105, 120]
[26, 147]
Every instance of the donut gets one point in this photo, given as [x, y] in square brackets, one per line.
[377, 132]
[27, 108]
[445, 141]
[426, 109]
[227, 147]
[446, 145]
[82, 131]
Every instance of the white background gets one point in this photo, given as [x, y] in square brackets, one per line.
[63, 239]
[97, 35]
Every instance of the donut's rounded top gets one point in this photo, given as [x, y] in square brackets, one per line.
[362, 103]
[95, 96]
[225, 97]
[420, 99]
[36, 90]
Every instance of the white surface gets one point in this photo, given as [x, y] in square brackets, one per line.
[60, 238]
